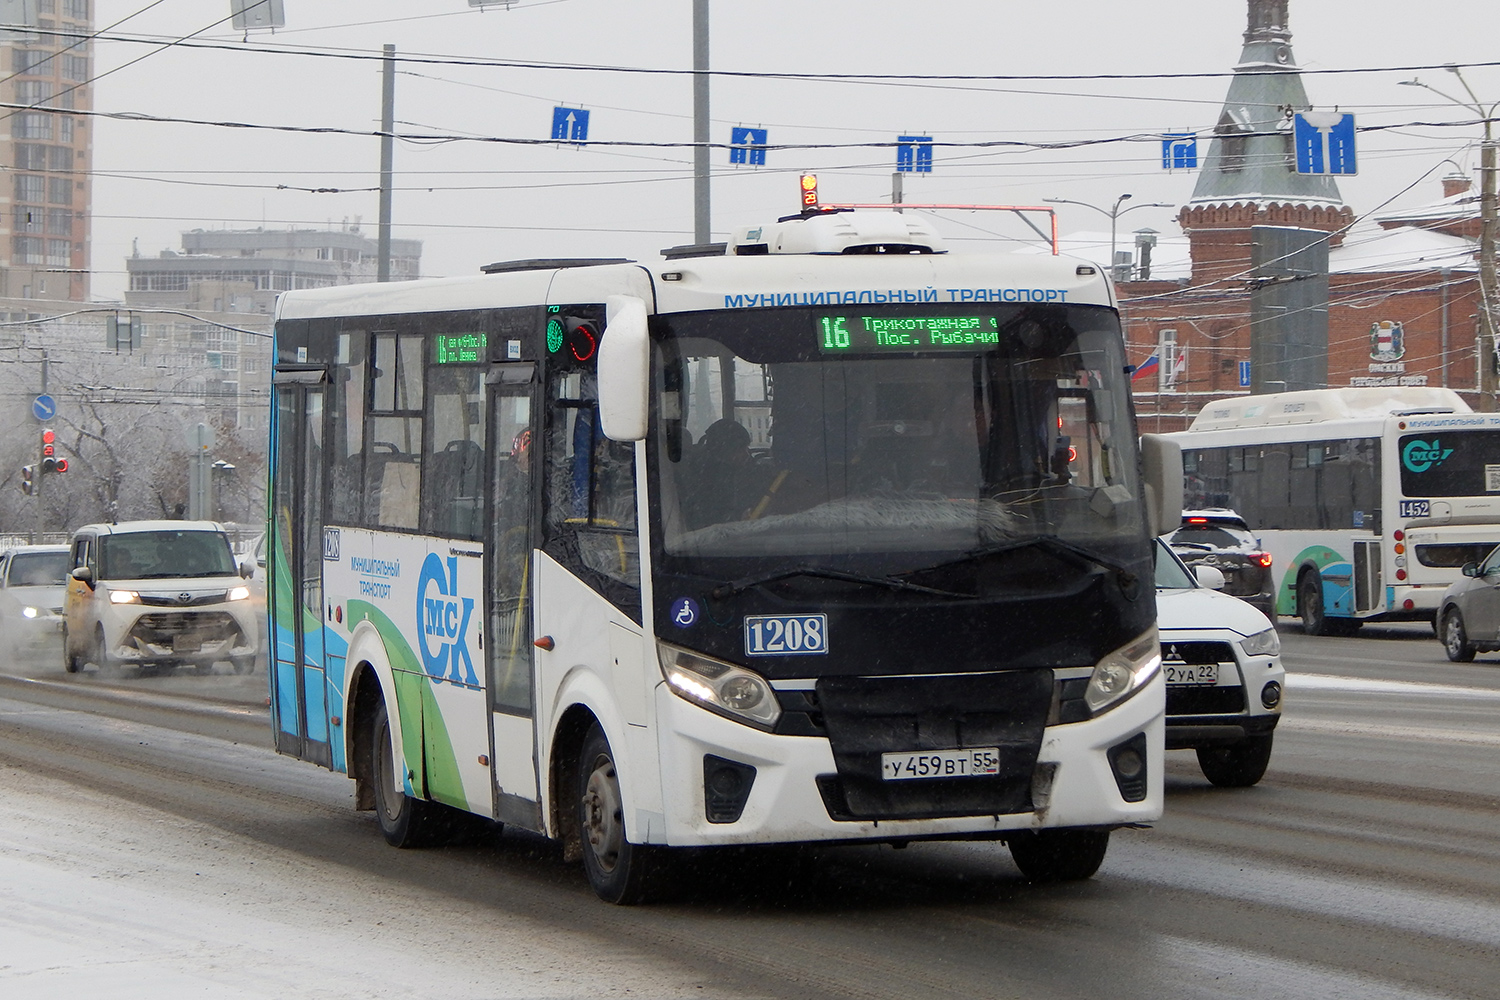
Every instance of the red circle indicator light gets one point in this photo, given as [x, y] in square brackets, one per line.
[1401, 574]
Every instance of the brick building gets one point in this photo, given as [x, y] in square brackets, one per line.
[1402, 297]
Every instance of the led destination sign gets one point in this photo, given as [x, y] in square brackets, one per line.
[853, 332]
[458, 348]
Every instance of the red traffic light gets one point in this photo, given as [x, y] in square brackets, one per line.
[62, 465]
[809, 190]
[48, 435]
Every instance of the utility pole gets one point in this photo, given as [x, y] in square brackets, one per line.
[702, 217]
[387, 156]
[37, 477]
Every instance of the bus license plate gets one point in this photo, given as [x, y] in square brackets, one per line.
[1192, 673]
[970, 763]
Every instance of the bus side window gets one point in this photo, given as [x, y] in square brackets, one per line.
[393, 448]
[453, 481]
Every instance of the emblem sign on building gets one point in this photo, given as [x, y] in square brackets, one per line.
[1387, 348]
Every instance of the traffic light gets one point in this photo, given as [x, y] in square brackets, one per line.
[579, 336]
[809, 191]
[28, 484]
[49, 450]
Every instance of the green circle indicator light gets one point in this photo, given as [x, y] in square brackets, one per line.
[554, 336]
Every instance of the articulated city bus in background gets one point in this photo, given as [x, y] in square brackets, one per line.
[829, 537]
[1370, 501]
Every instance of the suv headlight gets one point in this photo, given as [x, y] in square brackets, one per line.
[1124, 672]
[731, 691]
[238, 594]
[1266, 643]
[123, 597]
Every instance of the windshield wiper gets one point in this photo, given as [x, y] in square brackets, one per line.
[724, 590]
[1061, 547]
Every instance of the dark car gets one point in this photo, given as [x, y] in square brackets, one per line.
[1220, 538]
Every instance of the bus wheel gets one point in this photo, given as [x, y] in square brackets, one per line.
[1238, 765]
[1455, 639]
[619, 871]
[1310, 604]
[404, 821]
[1058, 855]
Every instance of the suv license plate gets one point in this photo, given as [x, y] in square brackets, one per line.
[1192, 673]
[971, 763]
[186, 644]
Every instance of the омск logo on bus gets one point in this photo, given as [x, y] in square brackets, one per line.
[443, 619]
[1419, 456]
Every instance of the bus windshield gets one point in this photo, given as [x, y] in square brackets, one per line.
[891, 433]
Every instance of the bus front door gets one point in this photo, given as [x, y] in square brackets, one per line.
[295, 586]
[510, 540]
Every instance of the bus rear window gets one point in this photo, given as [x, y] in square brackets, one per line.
[1450, 464]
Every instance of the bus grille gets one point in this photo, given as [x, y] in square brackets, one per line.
[867, 716]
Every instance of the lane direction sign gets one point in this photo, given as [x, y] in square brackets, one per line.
[570, 124]
[747, 145]
[1325, 143]
[1179, 151]
[44, 407]
[914, 154]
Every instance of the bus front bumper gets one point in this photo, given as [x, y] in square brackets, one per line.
[785, 804]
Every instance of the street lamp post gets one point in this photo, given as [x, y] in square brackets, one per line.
[1114, 214]
[1487, 218]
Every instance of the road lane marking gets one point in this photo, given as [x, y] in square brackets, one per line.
[1332, 682]
[1384, 731]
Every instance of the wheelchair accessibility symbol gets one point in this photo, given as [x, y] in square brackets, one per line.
[684, 612]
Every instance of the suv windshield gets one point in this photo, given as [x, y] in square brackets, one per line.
[37, 569]
[146, 555]
[889, 438]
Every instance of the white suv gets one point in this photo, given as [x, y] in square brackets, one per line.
[1222, 661]
[157, 593]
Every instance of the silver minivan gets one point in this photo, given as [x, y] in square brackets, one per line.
[157, 594]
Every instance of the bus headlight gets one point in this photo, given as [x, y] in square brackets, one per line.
[731, 691]
[1123, 672]
[1266, 643]
[123, 597]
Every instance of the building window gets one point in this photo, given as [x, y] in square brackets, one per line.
[31, 187]
[30, 61]
[65, 130]
[27, 249]
[28, 219]
[76, 68]
[33, 125]
[46, 6]
[59, 222]
[60, 190]
[58, 157]
[33, 91]
[78, 10]
[1233, 144]
[59, 253]
[30, 157]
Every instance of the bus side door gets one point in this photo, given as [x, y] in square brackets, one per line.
[294, 592]
[508, 589]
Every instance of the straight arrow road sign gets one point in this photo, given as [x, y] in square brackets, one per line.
[570, 124]
[1324, 142]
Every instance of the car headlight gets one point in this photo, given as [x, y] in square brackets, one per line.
[1124, 672]
[1266, 643]
[30, 612]
[123, 597]
[238, 594]
[731, 691]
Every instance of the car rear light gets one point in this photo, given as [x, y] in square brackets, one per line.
[1262, 558]
[1197, 520]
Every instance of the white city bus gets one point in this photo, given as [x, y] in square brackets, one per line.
[1370, 501]
[845, 543]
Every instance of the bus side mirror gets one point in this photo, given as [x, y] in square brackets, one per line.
[1161, 466]
[624, 370]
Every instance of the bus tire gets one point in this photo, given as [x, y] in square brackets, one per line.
[404, 821]
[1455, 639]
[1058, 855]
[1238, 765]
[619, 872]
[1310, 604]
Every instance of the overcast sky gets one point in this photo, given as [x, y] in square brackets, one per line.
[472, 202]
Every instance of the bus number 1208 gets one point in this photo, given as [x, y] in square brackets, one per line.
[786, 635]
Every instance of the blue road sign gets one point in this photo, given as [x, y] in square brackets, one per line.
[914, 154]
[1244, 373]
[570, 124]
[1179, 151]
[44, 407]
[747, 145]
[1324, 142]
